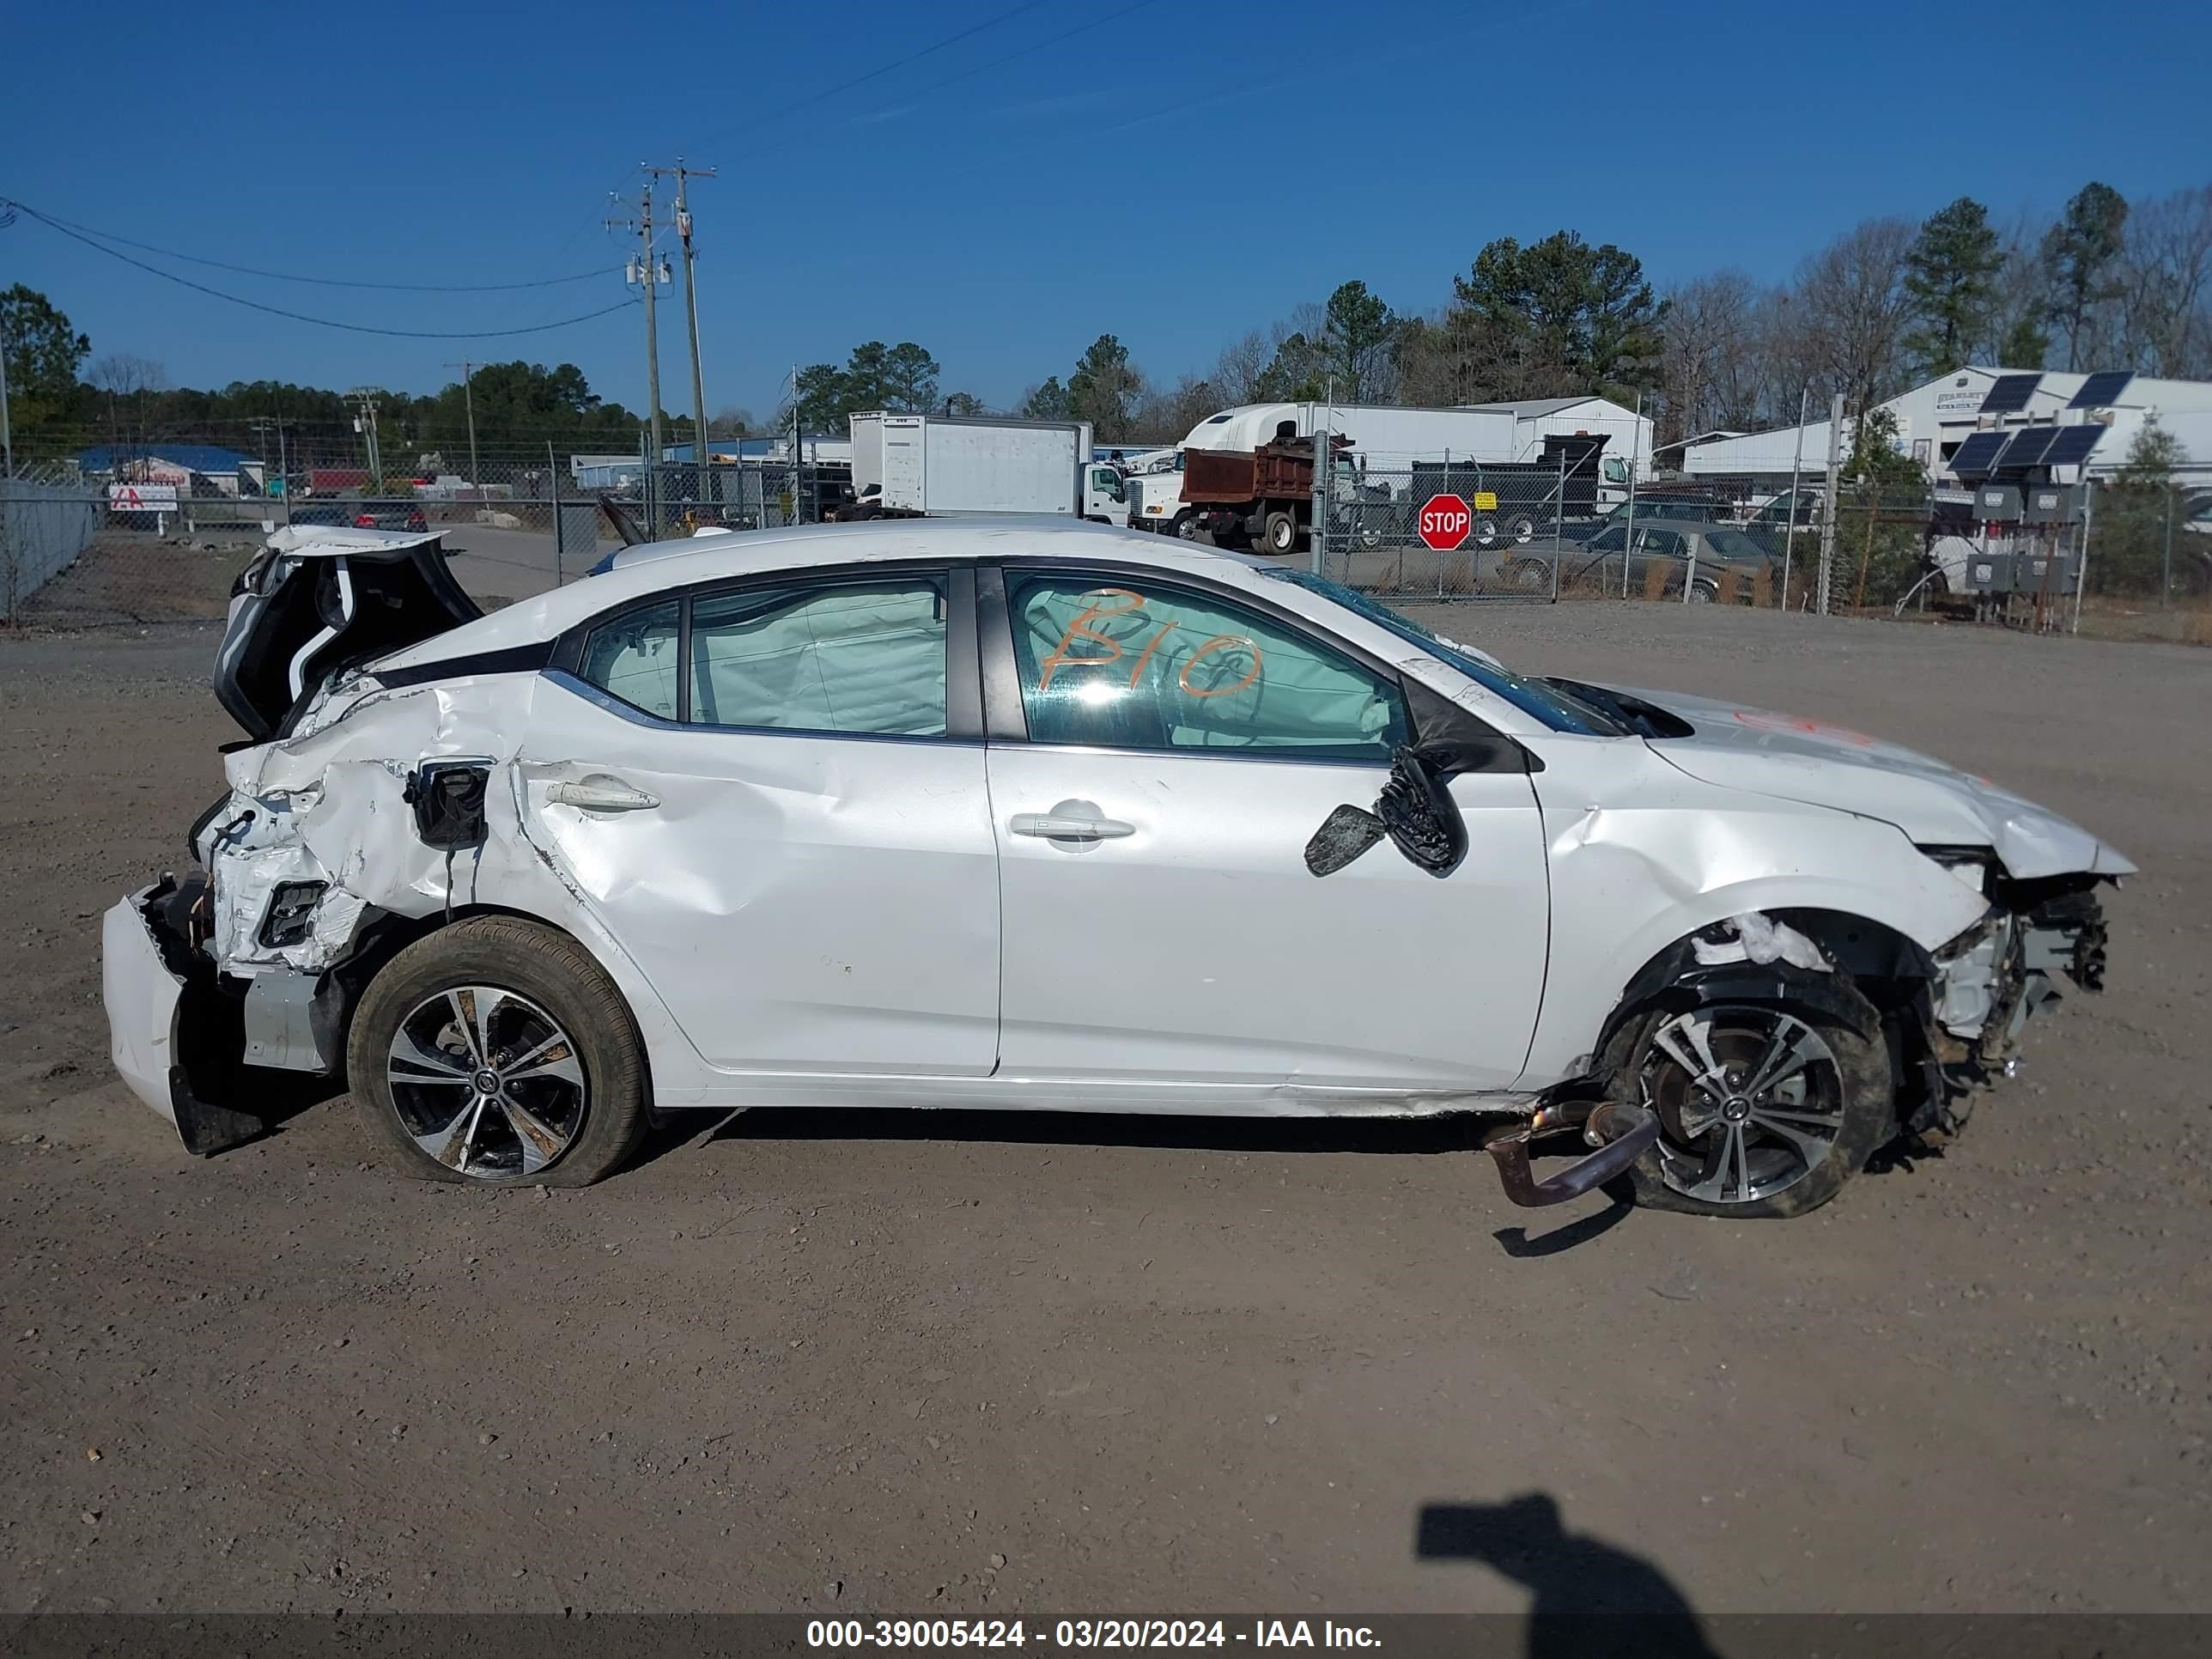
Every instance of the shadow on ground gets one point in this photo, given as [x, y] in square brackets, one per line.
[1588, 1597]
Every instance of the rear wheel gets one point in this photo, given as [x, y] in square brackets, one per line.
[1520, 528]
[496, 1050]
[1765, 1109]
[1280, 534]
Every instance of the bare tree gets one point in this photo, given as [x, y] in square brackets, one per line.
[1856, 309]
[1706, 369]
[2021, 305]
[127, 381]
[2165, 309]
[1242, 362]
[1166, 415]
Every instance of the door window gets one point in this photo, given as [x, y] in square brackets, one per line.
[632, 657]
[842, 657]
[1665, 543]
[1147, 666]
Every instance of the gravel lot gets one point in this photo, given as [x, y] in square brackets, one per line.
[1031, 1364]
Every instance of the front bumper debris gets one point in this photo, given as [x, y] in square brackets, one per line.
[1621, 1133]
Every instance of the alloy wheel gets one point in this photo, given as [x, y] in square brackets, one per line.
[487, 1082]
[1749, 1099]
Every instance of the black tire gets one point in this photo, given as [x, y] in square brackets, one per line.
[1529, 576]
[1521, 529]
[1184, 526]
[1862, 1109]
[1280, 534]
[546, 979]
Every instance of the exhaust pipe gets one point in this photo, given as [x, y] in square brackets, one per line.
[1621, 1133]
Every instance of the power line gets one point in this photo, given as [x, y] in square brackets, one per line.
[1039, 45]
[324, 281]
[321, 322]
[827, 92]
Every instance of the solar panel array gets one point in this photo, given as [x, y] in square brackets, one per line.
[2102, 388]
[2027, 448]
[1977, 457]
[2009, 393]
[2074, 445]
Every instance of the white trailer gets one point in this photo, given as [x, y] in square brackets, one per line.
[1384, 438]
[957, 465]
[1377, 433]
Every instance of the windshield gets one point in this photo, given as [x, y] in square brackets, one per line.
[1547, 703]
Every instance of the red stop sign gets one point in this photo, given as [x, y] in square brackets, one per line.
[1445, 522]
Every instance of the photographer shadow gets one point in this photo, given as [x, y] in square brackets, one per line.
[1588, 1597]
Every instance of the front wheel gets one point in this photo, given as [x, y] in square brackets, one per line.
[496, 1050]
[1529, 576]
[1765, 1109]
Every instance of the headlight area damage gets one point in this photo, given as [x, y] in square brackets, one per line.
[1967, 1019]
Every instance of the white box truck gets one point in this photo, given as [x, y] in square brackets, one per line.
[944, 465]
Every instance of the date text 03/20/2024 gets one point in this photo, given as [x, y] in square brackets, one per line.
[1085, 1633]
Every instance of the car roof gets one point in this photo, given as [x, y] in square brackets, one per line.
[650, 568]
[716, 558]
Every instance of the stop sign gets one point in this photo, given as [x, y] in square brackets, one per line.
[1444, 522]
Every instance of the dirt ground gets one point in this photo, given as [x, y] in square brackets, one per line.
[883, 1365]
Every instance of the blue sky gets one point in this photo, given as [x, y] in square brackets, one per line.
[1173, 176]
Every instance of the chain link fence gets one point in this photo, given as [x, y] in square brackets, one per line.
[98, 529]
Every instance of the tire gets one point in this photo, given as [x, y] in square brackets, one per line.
[1486, 532]
[1184, 525]
[1529, 576]
[523, 992]
[1703, 592]
[1521, 529]
[1280, 534]
[1842, 1098]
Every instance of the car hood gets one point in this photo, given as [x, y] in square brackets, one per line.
[319, 598]
[1792, 758]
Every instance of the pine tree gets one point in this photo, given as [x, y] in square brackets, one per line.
[1950, 275]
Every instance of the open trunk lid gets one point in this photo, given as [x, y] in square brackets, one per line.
[321, 599]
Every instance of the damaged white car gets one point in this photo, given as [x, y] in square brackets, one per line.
[946, 814]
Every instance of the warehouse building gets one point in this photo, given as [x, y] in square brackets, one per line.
[1937, 421]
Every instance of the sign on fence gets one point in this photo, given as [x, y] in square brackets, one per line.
[141, 498]
[1444, 522]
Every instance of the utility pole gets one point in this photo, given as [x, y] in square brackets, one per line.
[1797, 470]
[7, 430]
[365, 423]
[469, 399]
[1828, 506]
[691, 308]
[649, 274]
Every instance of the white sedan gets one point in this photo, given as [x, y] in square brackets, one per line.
[955, 814]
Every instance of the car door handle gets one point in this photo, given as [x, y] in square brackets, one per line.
[1067, 826]
[601, 794]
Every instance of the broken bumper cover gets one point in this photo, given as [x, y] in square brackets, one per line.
[174, 1036]
[141, 994]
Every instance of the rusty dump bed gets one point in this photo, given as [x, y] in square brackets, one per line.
[1282, 470]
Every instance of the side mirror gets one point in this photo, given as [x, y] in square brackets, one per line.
[1415, 810]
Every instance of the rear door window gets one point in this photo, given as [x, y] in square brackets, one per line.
[864, 658]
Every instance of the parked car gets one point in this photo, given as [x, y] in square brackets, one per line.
[388, 515]
[922, 814]
[399, 514]
[1697, 551]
